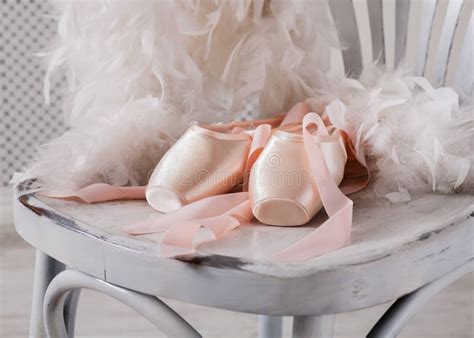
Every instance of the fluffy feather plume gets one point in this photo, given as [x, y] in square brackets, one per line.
[139, 71]
[417, 138]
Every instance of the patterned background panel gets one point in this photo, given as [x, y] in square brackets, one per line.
[26, 28]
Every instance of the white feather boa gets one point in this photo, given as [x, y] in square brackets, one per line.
[417, 138]
[139, 71]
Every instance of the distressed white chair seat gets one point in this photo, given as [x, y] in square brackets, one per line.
[402, 251]
[395, 250]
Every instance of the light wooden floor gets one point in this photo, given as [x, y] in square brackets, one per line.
[451, 314]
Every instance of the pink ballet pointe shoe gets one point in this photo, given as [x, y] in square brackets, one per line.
[205, 161]
[298, 172]
[281, 188]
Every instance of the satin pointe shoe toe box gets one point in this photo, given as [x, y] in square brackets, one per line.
[201, 163]
[163, 199]
[280, 212]
[281, 186]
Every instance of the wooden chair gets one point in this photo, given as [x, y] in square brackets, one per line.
[405, 252]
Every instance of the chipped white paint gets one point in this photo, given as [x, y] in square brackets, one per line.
[401, 247]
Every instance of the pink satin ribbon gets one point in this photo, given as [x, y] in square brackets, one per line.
[336, 231]
[101, 192]
[219, 214]
[223, 213]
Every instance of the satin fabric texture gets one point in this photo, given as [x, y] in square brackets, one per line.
[283, 169]
[281, 188]
[205, 161]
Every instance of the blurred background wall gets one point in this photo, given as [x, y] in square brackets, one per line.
[27, 121]
[26, 31]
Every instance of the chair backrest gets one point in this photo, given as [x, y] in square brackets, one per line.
[432, 37]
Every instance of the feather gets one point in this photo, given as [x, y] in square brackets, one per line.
[137, 76]
[140, 71]
[401, 195]
[416, 136]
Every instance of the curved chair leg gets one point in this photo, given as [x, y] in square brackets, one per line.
[46, 268]
[314, 326]
[270, 326]
[70, 309]
[398, 315]
[157, 312]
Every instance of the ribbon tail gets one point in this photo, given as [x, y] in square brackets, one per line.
[101, 192]
[180, 238]
[336, 231]
[152, 224]
[203, 209]
[333, 234]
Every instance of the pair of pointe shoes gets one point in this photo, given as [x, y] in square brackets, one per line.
[269, 157]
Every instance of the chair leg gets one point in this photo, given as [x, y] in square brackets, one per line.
[46, 268]
[70, 309]
[398, 315]
[153, 309]
[270, 326]
[313, 326]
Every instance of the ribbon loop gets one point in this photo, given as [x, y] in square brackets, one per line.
[335, 232]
